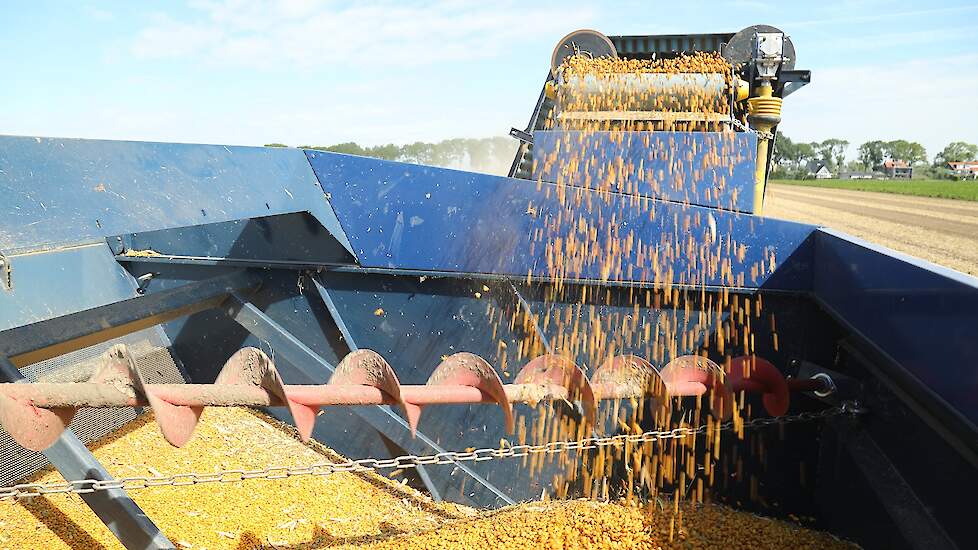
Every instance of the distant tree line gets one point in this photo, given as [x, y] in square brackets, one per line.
[493, 155]
[957, 151]
[790, 159]
[793, 160]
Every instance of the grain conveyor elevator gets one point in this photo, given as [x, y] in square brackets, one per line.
[150, 266]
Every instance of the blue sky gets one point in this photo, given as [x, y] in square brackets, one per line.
[318, 72]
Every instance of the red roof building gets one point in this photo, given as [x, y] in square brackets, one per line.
[897, 169]
[965, 169]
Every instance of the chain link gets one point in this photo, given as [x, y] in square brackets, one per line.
[83, 486]
[736, 123]
[744, 128]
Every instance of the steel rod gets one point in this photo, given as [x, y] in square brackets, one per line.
[92, 394]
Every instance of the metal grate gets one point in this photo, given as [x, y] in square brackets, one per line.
[152, 359]
[644, 47]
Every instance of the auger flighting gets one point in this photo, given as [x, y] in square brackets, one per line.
[36, 414]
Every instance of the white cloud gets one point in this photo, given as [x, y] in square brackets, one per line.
[98, 14]
[880, 15]
[342, 58]
[930, 100]
[169, 38]
[896, 41]
[311, 33]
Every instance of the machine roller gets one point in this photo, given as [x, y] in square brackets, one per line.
[611, 93]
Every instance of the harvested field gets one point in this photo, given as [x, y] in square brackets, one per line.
[345, 510]
[942, 231]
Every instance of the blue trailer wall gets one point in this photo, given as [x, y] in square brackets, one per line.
[417, 217]
[921, 316]
[67, 191]
[702, 168]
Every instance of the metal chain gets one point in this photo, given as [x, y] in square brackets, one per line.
[83, 486]
[736, 123]
[744, 128]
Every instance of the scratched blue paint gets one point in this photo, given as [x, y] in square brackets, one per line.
[417, 217]
[68, 191]
[703, 168]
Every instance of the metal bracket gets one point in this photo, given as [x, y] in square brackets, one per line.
[768, 54]
[525, 137]
[839, 387]
[530, 126]
[143, 281]
[6, 277]
[794, 80]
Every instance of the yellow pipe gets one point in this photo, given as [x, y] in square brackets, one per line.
[764, 113]
[760, 175]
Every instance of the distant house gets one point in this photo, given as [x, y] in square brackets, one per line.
[898, 169]
[818, 170]
[856, 175]
[967, 169]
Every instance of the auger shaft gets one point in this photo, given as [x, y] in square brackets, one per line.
[99, 395]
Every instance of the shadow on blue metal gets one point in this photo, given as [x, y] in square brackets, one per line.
[286, 240]
[42, 340]
[351, 344]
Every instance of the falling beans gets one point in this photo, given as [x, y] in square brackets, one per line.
[586, 227]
